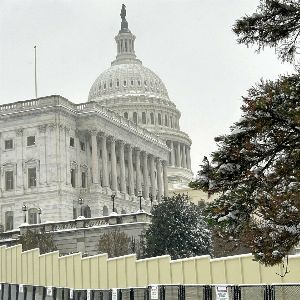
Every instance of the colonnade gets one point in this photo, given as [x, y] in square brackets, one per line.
[124, 168]
[179, 155]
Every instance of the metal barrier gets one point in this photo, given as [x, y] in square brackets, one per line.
[162, 292]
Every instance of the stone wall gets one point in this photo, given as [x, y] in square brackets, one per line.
[83, 234]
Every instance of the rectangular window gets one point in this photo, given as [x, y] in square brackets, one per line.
[31, 177]
[9, 220]
[83, 180]
[71, 142]
[82, 146]
[9, 180]
[31, 140]
[8, 144]
[73, 174]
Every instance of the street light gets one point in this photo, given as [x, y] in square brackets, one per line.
[80, 202]
[24, 209]
[140, 197]
[113, 195]
[151, 199]
[40, 212]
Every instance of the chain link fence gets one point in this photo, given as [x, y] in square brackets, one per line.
[161, 292]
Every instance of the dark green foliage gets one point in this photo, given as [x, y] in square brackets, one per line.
[43, 241]
[178, 228]
[276, 23]
[256, 171]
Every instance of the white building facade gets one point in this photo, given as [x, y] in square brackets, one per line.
[124, 141]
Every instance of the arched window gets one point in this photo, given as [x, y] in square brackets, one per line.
[104, 86]
[159, 119]
[166, 120]
[152, 118]
[135, 117]
[124, 82]
[110, 83]
[32, 216]
[118, 83]
[139, 82]
[87, 211]
[9, 220]
[143, 117]
[126, 115]
[131, 82]
[105, 211]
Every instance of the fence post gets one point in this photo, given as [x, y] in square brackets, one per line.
[207, 292]
[181, 292]
[162, 292]
[236, 292]
[131, 294]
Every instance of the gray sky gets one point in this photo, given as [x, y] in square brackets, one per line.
[188, 43]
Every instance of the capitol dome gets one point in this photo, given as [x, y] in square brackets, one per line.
[127, 79]
[137, 94]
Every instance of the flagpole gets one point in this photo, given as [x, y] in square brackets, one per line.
[35, 78]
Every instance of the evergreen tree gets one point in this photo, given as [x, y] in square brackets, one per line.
[178, 229]
[256, 171]
[115, 243]
[276, 23]
[43, 241]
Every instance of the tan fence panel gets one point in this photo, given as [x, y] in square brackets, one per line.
[218, 271]
[176, 271]
[98, 271]
[203, 269]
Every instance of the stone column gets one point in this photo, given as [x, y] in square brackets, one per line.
[114, 175]
[95, 167]
[122, 167]
[19, 182]
[152, 176]
[188, 155]
[43, 154]
[104, 161]
[183, 156]
[172, 154]
[159, 179]
[145, 174]
[67, 150]
[138, 171]
[178, 158]
[130, 171]
[165, 179]
[78, 173]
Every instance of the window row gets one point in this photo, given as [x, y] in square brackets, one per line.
[33, 218]
[117, 83]
[10, 179]
[9, 143]
[161, 120]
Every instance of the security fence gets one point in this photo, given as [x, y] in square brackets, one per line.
[158, 292]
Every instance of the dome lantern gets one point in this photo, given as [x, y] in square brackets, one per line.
[125, 43]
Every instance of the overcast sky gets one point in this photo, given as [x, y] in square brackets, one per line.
[188, 43]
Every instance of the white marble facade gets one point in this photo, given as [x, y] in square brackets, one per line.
[126, 139]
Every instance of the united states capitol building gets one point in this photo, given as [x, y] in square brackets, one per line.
[125, 141]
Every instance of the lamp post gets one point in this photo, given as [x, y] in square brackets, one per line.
[40, 213]
[24, 209]
[113, 195]
[80, 202]
[151, 199]
[140, 198]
